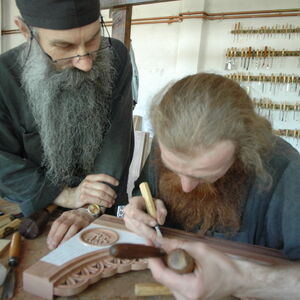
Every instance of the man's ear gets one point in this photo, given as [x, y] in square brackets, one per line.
[22, 27]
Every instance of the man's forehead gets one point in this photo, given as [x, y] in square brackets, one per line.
[202, 159]
[71, 35]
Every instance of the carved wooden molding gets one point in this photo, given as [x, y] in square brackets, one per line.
[47, 280]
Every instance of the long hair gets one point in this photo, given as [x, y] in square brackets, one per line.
[201, 110]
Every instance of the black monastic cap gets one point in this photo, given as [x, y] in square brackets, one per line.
[59, 14]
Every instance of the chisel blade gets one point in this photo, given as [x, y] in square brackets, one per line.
[9, 284]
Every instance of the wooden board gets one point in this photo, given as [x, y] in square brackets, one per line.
[105, 4]
[141, 150]
[78, 263]
[121, 27]
[71, 277]
[235, 249]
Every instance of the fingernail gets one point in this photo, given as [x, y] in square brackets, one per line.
[50, 246]
[153, 223]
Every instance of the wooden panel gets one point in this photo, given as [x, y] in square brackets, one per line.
[118, 3]
[235, 249]
[122, 24]
[140, 138]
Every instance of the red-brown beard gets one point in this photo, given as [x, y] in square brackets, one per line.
[215, 206]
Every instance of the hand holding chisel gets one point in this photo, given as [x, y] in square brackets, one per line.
[177, 260]
[145, 190]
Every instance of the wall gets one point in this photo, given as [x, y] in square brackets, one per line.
[166, 52]
[9, 12]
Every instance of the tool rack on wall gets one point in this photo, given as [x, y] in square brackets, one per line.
[263, 72]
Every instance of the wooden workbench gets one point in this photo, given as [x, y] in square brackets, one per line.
[120, 286]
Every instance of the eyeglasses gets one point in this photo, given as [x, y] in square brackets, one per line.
[63, 62]
[105, 42]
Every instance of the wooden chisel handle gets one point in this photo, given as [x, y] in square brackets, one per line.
[146, 193]
[150, 289]
[14, 249]
[145, 190]
[135, 251]
[180, 261]
[177, 260]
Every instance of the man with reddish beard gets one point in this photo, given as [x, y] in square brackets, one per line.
[217, 169]
[65, 115]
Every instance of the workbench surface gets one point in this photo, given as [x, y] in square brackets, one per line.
[120, 286]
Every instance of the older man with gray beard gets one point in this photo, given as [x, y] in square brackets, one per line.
[65, 115]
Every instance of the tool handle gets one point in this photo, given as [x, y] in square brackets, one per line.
[51, 208]
[133, 251]
[15, 249]
[9, 228]
[180, 261]
[145, 190]
[151, 289]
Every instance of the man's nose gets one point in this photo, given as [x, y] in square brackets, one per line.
[188, 184]
[83, 63]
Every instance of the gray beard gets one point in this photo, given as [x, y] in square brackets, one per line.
[72, 111]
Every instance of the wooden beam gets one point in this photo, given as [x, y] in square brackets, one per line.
[105, 4]
[122, 24]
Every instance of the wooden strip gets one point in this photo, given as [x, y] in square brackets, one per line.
[235, 249]
[105, 4]
[121, 27]
[9, 228]
[151, 289]
[5, 219]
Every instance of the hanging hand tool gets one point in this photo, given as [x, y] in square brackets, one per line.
[265, 56]
[145, 190]
[13, 260]
[249, 56]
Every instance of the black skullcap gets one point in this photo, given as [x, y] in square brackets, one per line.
[59, 14]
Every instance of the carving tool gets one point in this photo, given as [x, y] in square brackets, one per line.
[145, 190]
[265, 56]
[249, 55]
[13, 260]
[177, 260]
[3, 245]
[9, 228]
[150, 289]
[5, 219]
[3, 273]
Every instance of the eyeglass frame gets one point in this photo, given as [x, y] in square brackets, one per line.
[70, 58]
